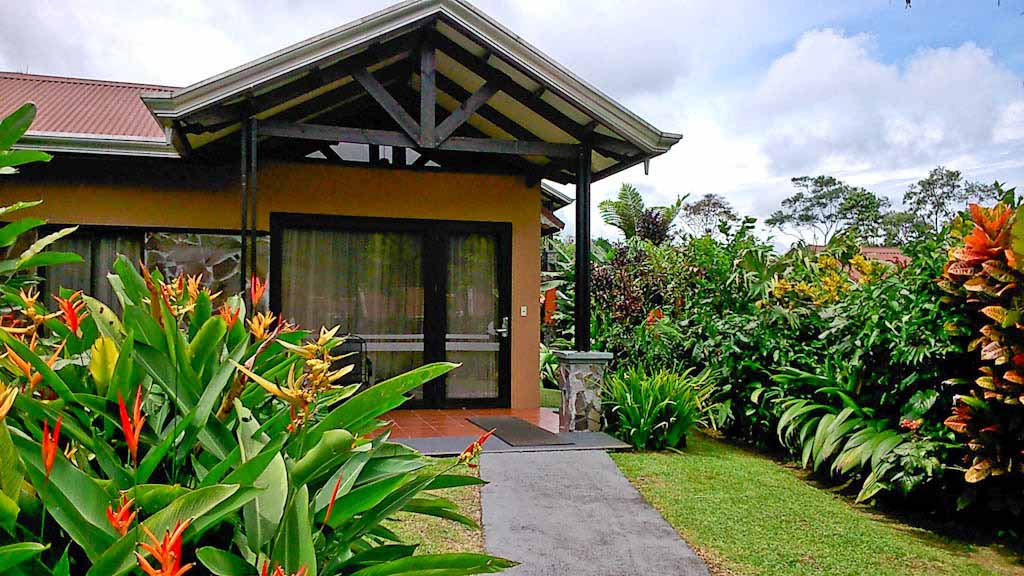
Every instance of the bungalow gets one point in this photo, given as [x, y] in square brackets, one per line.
[387, 176]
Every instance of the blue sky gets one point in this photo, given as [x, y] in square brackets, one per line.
[762, 91]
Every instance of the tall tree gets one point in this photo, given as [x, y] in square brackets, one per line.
[703, 217]
[936, 199]
[629, 214]
[824, 206]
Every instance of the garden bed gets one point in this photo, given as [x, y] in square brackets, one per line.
[746, 514]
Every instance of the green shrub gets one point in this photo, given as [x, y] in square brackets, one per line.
[656, 410]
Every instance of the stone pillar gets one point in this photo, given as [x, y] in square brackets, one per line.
[580, 375]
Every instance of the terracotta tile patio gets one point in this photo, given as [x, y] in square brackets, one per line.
[453, 422]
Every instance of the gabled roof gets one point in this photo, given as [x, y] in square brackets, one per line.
[533, 98]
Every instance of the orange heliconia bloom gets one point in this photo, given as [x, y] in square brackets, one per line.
[123, 518]
[49, 446]
[132, 426]
[278, 571]
[73, 308]
[334, 496]
[230, 316]
[474, 449]
[166, 552]
[34, 377]
[7, 396]
[256, 289]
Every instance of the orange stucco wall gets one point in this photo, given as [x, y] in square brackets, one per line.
[176, 194]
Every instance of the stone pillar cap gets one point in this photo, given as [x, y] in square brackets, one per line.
[577, 357]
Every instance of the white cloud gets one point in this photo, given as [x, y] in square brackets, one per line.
[832, 103]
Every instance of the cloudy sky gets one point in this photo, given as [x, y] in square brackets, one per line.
[763, 91]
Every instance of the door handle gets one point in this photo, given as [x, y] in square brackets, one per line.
[503, 331]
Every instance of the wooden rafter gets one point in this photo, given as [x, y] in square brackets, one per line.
[320, 132]
[470, 106]
[532, 100]
[379, 93]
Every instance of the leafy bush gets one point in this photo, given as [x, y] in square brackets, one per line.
[656, 410]
[291, 470]
[985, 274]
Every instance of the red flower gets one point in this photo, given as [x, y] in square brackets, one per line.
[278, 571]
[654, 315]
[122, 519]
[72, 309]
[50, 449]
[166, 552]
[334, 496]
[230, 316]
[908, 424]
[256, 289]
[474, 449]
[132, 426]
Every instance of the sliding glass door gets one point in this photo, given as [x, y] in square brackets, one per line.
[416, 291]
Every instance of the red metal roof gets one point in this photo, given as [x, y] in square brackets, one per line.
[79, 106]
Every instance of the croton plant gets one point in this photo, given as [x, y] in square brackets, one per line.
[186, 434]
[986, 273]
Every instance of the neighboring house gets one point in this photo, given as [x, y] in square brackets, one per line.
[386, 176]
[886, 254]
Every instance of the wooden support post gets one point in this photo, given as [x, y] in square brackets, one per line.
[246, 136]
[581, 309]
[428, 94]
[253, 195]
[374, 154]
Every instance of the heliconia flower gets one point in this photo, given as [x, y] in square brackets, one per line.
[123, 518]
[166, 552]
[194, 286]
[292, 393]
[334, 496]
[132, 426]
[230, 316]
[256, 289]
[73, 308]
[26, 367]
[7, 396]
[259, 325]
[279, 571]
[49, 445]
[654, 315]
[473, 450]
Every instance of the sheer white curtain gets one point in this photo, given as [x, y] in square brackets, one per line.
[369, 283]
[472, 310]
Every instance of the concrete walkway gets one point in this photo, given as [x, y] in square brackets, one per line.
[573, 513]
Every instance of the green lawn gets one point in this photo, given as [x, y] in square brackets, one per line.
[748, 515]
[550, 398]
[436, 535]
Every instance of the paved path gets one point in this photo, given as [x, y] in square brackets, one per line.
[574, 513]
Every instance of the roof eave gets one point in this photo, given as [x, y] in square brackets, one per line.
[97, 144]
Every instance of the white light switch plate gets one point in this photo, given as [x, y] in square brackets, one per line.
[522, 311]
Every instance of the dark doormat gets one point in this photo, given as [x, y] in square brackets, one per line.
[517, 432]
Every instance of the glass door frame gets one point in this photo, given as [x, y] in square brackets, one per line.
[435, 235]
